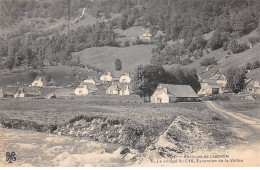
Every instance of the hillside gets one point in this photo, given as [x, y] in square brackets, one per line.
[104, 57]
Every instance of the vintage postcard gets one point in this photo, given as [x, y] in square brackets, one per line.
[129, 83]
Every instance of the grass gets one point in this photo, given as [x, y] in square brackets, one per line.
[62, 75]
[240, 105]
[104, 57]
[154, 118]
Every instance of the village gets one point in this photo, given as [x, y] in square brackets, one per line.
[121, 85]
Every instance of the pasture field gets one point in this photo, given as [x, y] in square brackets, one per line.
[130, 109]
[240, 105]
[62, 75]
[104, 57]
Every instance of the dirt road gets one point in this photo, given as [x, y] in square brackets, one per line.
[253, 123]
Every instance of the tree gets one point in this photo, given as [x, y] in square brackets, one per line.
[10, 63]
[32, 76]
[118, 65]
[216, 41]
[236, 79]
[146, 79]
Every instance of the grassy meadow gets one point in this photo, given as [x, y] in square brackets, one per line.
[130, 109]
[104, 57]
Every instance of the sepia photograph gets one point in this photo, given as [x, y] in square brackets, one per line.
[129, 83]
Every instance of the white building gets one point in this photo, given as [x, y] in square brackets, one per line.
[85, 89]
[117, 88]
[169, 93]
[39, 82]
[106, 77]
[146, 35]
[125, 78]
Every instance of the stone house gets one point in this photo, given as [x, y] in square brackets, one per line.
[106, 77]
[169, 93]
[252, 87]
[117, 88]
[40, 81]
[125, 78]
[85, 89]
[209, 87]
[146, 35]
[27, 92]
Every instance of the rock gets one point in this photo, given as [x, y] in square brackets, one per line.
[122, 151]
[130, 156]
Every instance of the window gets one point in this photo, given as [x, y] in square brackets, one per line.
[80, 91]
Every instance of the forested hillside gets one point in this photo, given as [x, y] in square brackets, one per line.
[183, 22]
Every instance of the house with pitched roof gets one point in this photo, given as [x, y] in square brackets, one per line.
[85, 88]
[170, 93]
[146, 35]
[125, 78]
[209, 87]
[252, 87]
[106, 77]
[27, 92]
[40, 81]
[117, 88]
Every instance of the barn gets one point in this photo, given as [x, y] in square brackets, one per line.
[170, 93]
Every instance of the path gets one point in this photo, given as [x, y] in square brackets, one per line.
[252, 122]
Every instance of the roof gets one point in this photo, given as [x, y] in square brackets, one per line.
[29, 90]
[179, 90]
[211, 82]
[9, 90]
[89, 86]
[117, 86]
[42, 77]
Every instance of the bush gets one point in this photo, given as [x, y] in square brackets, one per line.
[208, 61]
[254, 40]
[186, 61]
[236, 47]
[118, 65]
[256, 64]
[219, 97]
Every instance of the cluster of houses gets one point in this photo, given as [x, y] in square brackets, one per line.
[113, 85]
[121, 85]
[216, 84]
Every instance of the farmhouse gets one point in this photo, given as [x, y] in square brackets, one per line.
[117, 88]
[169, 93]
[146, 35]
[210, 87]
[9, 92]
[27, 92]
[40, 81]
[252, 87]
[106, 77]
[85, 89]
[125, 78]
[222, 81]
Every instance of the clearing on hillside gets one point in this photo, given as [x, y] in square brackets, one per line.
[104, 57]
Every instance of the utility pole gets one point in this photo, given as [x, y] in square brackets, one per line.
[69, 5]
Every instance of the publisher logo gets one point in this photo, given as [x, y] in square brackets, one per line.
[10, 157]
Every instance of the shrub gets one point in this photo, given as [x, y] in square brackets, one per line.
[219, 97]
[118, 65]
[127, 44]
[236, 47]
[254, 40]
[186, 61]
[256, 64]
[208, 61]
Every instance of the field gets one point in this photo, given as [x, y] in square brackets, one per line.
[104, 57]
[153, 118]
[62, 75]
[240, 105]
